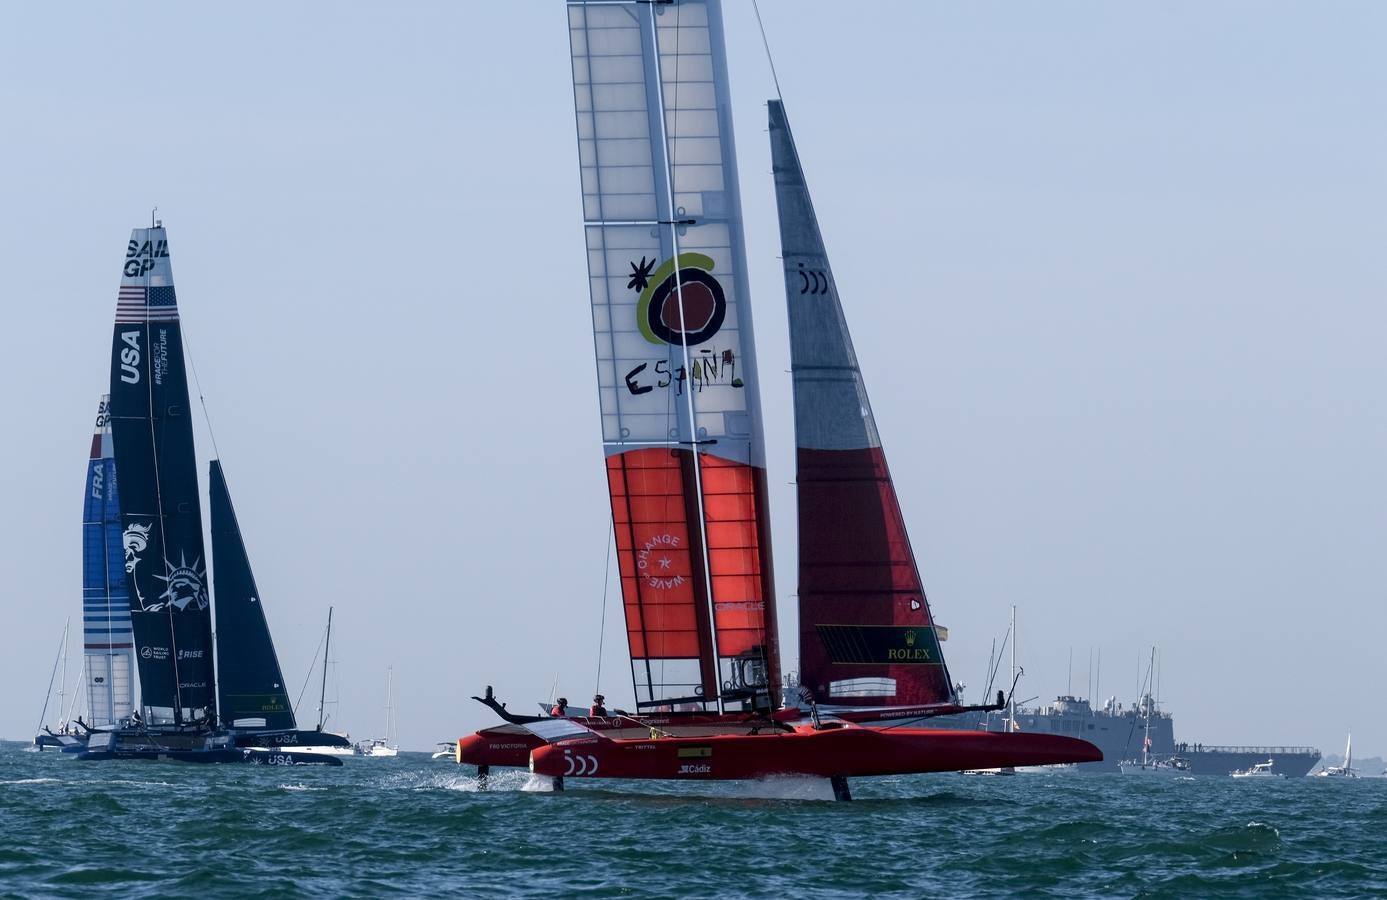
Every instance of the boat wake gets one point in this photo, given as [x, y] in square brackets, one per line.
[32, 781]
[499, 780]
[786, 787]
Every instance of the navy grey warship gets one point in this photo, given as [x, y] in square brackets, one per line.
[1120, 733]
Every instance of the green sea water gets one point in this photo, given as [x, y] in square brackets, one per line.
[413, 826]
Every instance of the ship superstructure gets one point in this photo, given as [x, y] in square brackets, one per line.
[1119, 731]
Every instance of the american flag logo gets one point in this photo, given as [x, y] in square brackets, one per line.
[141, 304]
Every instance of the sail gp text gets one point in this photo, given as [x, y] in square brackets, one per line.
[139, 258]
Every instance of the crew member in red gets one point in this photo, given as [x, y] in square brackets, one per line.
[597, 708]
[560, 709]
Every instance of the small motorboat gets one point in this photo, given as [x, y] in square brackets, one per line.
[1259, 770]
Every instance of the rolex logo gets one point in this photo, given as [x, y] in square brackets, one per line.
[910, 638]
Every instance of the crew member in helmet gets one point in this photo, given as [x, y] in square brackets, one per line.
[560, 709]
[597, 708]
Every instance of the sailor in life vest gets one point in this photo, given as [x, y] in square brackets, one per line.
[560, 709]
[597, 708]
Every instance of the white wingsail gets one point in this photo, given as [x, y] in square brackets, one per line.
[681, 422]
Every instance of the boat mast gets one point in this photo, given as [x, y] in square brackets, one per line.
[1148, 704]
[1011, 700]
[389, 682]
[327, 650]
[62, 678]
[675, 221]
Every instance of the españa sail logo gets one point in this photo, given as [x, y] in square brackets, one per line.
[684, 307]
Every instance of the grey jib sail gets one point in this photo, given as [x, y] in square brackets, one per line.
[165, 566]
[251, 690]
[867, 636]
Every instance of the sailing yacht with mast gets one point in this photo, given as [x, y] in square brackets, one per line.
[1344, 771]
[389, 745]
[682, 436]
[322, 740]
[1149, 764]
[65, 735]
[186, 712]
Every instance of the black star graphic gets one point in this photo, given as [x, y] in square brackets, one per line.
[640, 274]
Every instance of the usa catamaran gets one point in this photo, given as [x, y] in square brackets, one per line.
[682, 435]
[237, 711]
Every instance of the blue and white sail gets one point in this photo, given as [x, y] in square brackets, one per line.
[106, 632]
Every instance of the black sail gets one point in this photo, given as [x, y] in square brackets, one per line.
[251, 691]
[165, 566]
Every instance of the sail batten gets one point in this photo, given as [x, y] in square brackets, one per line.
[677, 385]
[867, 636]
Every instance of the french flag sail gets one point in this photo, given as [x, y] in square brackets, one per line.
[108, 646]
[867, 638]
[677, 380]
[160, 516]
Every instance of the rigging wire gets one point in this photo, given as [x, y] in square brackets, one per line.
[606, 583]
[43, 716]
[756, 6]
[206, 417]
[311, 665]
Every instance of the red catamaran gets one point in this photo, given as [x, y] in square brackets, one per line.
[682, 434]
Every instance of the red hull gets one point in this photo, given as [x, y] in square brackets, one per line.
[504, 745]
[840, 752]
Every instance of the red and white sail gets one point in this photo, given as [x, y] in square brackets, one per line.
[866, 634]
[677, 381]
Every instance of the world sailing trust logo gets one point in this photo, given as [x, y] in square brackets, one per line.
[184, 585]
[680, 305]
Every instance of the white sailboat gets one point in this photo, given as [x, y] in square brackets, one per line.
[1344, 771]
[388, 745]
[1149, 764]
[333, 744]
[65, 735]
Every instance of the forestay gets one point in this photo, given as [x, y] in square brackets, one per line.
[678, 388]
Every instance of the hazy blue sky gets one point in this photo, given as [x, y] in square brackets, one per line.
[1115, 273]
